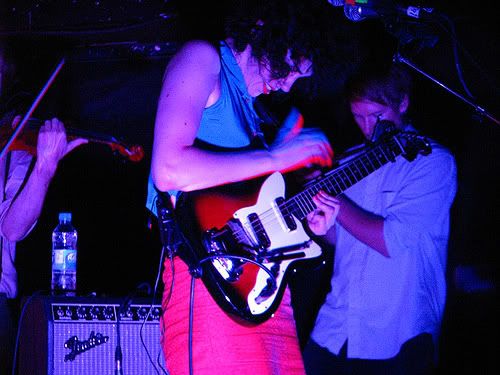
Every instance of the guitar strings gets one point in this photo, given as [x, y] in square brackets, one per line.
[289, 207]
[268, 218]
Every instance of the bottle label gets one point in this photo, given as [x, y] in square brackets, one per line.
[64, 260]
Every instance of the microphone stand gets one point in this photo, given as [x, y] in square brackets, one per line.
[118, 349]
[480, 110]
[122, 309]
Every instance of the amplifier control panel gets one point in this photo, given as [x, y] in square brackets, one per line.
[86, 312]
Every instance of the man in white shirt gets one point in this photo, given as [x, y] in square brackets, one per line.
[388, 290]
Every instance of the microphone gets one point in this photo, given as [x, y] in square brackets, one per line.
[359, 10]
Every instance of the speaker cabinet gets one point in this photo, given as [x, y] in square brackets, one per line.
[79, 336]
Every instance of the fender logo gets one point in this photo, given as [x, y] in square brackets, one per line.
[78, 347]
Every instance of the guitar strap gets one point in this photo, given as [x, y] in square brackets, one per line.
[166, 221]
[171, 235]
[268, 126]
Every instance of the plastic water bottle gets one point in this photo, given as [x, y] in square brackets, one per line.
[64, 238]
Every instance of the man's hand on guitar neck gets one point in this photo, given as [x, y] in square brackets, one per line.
[323, 217]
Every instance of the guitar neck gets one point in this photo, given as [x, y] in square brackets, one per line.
[339, 179]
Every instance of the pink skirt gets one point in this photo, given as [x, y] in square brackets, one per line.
[221, 346]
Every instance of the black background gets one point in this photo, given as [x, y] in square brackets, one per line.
[115, 54]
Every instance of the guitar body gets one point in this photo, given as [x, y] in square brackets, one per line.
[251, 229]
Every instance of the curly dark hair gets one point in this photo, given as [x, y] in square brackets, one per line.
[272, 27]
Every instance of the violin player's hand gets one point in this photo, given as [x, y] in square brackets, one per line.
[52, 145]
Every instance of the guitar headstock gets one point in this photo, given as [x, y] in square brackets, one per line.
[413, 144]
[410, 143]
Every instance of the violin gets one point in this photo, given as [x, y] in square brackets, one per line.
[25, 135]
[27, 139]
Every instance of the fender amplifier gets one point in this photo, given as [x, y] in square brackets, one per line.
[79, 336]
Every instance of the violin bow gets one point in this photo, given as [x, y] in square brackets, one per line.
[32, 108]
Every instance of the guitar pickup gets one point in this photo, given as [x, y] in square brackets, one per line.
[259, 231]
[285, 215]
[282, 253]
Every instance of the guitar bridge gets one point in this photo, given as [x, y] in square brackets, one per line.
[270, 287]
[222, 244]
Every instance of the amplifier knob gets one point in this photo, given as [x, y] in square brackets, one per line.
[143, 311]
[81, 312]
[94, 312]
[155, 313]
[60, 312]
[109, 312]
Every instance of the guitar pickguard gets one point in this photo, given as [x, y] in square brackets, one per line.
[295, 243]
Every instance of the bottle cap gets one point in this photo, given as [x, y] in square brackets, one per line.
[65, 216]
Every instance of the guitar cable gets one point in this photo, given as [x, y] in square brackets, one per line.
[122, 308]
[168, 247]
[158, 278]
[190, 331]
[164, 305]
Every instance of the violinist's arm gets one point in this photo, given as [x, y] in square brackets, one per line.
[27, 205]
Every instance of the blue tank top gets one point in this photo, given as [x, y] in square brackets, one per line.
[231, 121]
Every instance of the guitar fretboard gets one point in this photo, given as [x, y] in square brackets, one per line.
[343, 177]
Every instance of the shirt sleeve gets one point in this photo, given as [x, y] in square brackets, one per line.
[420, 207]
[18, 167]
